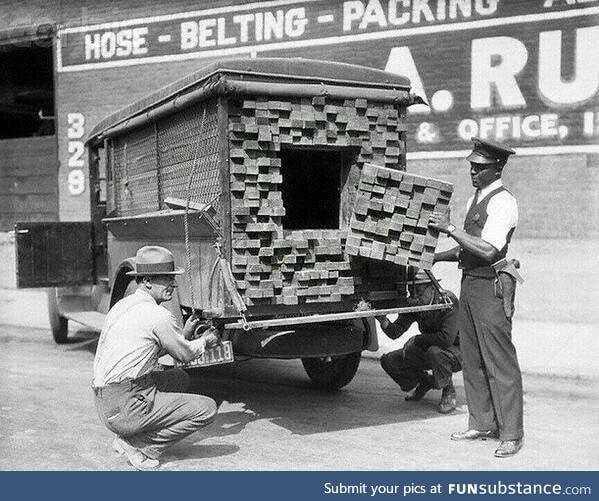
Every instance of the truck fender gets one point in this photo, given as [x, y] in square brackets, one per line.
[121, 280]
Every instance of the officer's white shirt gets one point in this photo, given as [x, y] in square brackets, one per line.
[137, 331]
[502, 215]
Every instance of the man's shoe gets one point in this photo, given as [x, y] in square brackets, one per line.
[119, 446]
[134, 456]
[508, 448]
[424, 386]
[140, 461]
[474, 435]
[448, 401]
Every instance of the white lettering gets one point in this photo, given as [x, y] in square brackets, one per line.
[124, 43]
[441, 10]
[465, 7]
[402, 63]
[487, 124]
[92, 46]
[549, 125]
[516, 126]
[76, 182]
[373, 14]
[485, 7]
[510, 127]
[295, 22]
[205, 32]
[139, 40]
[589, 123]
[222, 39]
[274, 25]
[244, 25]
[352, 11]
[495, 63]
[189, 35]
[76, 151]
[108, 44]
[585, 83]
[467, 128]
[502, 126]
[527, 126]
[419, 8]
[76, 123]
[404, 18]
[258, 26]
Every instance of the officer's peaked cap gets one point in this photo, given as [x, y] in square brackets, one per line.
[488, 152]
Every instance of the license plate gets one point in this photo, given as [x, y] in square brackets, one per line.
[221, 354]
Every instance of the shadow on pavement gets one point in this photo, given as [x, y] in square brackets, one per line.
[280, 392]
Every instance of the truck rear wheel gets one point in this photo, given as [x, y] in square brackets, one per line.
[59, 325]
[332, 373]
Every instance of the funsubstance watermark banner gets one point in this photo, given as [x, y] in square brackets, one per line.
[305, 486]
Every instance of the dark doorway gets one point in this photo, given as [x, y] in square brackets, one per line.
[311, 188]
[26, 89]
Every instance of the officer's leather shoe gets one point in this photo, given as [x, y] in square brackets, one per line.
[424, 386]
[474, 435]
[508, 448]
[448, 401]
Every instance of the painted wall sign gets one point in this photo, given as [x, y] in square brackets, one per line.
[289, 24]
[524, 72]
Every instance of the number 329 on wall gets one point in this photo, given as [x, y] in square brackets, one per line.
[75, 133]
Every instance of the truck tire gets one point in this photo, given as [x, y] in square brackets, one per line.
[59, 325]
[332, 373]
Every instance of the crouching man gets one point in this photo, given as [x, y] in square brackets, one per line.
[436, 348]
[146, 408]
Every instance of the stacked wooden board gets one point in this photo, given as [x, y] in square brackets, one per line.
[272, 265]
[391, 215]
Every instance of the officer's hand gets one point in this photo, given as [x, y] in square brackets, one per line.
[190, 326]
[439, 220]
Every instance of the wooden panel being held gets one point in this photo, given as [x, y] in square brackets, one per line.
[391, 214]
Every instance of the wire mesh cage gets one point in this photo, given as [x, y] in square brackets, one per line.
[164, 158]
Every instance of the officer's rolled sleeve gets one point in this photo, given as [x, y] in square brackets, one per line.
[502, 216]
[170, 337]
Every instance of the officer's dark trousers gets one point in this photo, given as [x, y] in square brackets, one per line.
[408, 365]
[492, 378]
[151, 412]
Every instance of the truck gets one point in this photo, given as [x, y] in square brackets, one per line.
[250, 171]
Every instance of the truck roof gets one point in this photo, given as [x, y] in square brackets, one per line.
[296, 71]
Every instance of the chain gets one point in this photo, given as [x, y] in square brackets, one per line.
[185, 218]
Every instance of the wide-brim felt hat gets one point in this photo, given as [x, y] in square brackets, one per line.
[155, 260]
[488, 152]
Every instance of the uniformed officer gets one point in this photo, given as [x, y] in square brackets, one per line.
[435, 348]
[148, 409]
[492, 378]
